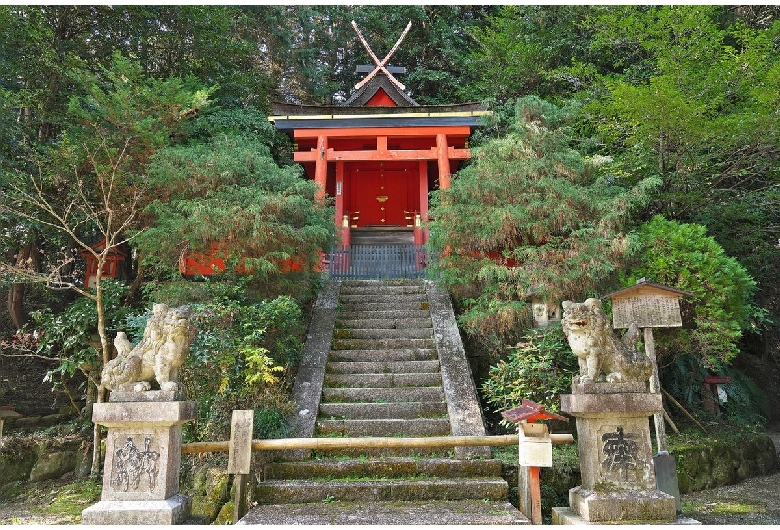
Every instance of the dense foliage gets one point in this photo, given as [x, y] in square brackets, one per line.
[539, 367]
[683, 256]
[531, 217]
[144, 121]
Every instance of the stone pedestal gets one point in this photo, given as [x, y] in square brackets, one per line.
[143, 456]
[616, 463]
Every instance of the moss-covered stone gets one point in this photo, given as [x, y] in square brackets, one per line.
[15, 467]
[226, 514]
[206, 508]
[53, 465]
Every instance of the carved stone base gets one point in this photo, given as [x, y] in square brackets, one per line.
[141, 469]
[174, 510]
[567, 516]
[647, 506]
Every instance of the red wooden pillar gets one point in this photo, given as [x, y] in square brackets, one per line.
[341, 219]
[444, 161]
[444, 170]
[423, 201]
[321, 168]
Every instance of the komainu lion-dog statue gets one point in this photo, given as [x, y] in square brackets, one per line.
[598, 350]
[158, 356]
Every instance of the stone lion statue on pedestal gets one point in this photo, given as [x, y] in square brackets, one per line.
[158, 356]
[598, 350]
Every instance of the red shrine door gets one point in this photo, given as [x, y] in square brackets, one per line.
[382, 195]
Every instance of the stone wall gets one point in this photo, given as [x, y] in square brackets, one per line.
[712, 464]
[25, 459]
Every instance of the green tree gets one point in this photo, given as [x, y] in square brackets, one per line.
[225, 194]
[682, 255]
[701, 117]
[90, 185]
[530, 217]
[531, 50]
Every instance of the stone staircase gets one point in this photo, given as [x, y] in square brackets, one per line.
[383, 377]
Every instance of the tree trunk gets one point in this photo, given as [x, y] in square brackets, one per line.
[14, 304]
[26, 257]
[106, 355]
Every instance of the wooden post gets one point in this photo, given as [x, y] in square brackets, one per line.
[240, 457]
[321, 168]
[536, 495]
[655, 388]
[423, 165]
[442, 152]
[339, 192]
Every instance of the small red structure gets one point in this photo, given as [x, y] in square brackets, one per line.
[110, 267]
[711, 397]
[380, 153]
[534, 451]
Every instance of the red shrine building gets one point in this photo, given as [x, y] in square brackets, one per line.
[380, 154]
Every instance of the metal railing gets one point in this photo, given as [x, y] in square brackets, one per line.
[378, 262]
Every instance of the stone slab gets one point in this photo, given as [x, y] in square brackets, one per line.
[666, 476]
[307, 389]
[174, 510]
[126, 414]
[609, 388]
[462, 402]
[466, 512]
[124, 396]
[565, 516]
[608, 405]
[602, 506]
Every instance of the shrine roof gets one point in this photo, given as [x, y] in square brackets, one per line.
[287, 117]
[380, 82]
[645, 286]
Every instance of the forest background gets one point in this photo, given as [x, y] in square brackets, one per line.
[651, 132]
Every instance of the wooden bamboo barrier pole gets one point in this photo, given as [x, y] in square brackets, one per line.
[284, 444]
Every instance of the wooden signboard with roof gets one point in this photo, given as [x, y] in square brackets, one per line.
[648, 305]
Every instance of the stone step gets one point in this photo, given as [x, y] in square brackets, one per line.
[370, 491]
[379, 288]
[383, 314]
[375, 367]
[368, 411]
[371, 306]
[462, 512]
[382, 395]
[381, 468]
[418, 354]
[381, 334]
[416, 427]
[384, 323]
[382, 380]
[391, 301]
[381, 344]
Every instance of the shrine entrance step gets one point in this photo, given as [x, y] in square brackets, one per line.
[381, 235]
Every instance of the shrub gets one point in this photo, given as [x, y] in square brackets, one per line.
[241, 357]
[540, 367]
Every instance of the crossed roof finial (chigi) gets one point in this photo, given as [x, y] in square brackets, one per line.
[380, 65]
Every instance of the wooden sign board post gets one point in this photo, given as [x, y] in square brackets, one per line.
[652, 305]
[649, 305]
[240, 457]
